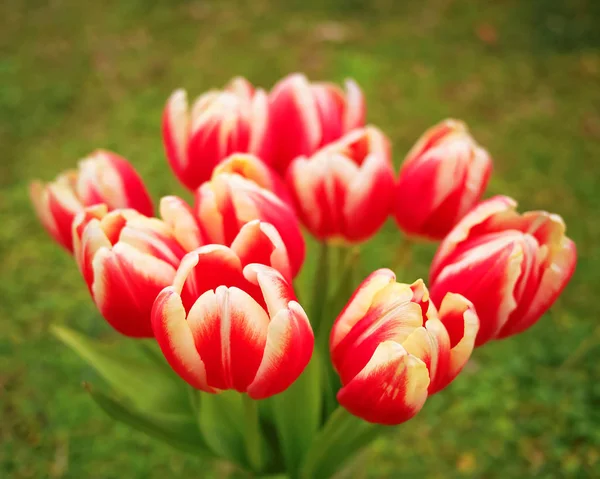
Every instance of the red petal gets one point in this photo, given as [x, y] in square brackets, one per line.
[230, 333]
[288, 350]
[126, 283]
[391, 388]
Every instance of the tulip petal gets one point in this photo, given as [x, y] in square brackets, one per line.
[355, 112]
[288, 350]
[554, 280]
[259, 242]
[180, 217]
[293, 107]
[477, 217]
[126, 283]
[390, 389]
[230, 332]
[359, 304]
[207, 268]
[176, 341]
[392, 316]
[176, 131]
[455, 333]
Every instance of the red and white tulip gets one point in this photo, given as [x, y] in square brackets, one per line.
[239, 327]
[306, 116]
[101, 178]
[511, 266]
[345, 189]
[392, 348]
[218, 124]
[229, 201]
[442, 178]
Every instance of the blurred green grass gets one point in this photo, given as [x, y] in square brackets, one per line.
[524, 75]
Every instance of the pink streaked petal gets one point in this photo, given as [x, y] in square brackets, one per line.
[230, 333]
[126, 283]
[288, 350]
[180, 217]
[359, 304]
[259, 242]
[391, 388]
[355, 112]
[455, 333]
[478, 215]
[176, 341]
[554, 279]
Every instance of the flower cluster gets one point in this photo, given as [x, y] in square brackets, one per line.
[213, 282]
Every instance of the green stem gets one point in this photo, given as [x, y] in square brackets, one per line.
[321, 283]
[252, 433]
[404, 255]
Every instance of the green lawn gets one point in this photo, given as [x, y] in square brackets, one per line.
[525, 75]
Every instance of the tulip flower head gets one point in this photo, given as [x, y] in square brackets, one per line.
[218, 124]
[392, 348]
[511, 266]
[127, 258]
[306, 116]
[446, 173]
[101, 178]
[239, 327]
[229, 201]
[345, 189]
[252, 168]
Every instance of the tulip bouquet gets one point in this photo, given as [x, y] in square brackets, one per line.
[233, 365]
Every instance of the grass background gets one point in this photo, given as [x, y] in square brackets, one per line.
[525, 75]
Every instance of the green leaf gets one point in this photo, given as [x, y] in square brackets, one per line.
[181, 433]
[221, 421]
[143, 381]
[340, 439]
[297, 414]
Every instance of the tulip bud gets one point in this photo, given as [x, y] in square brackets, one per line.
[511, 266]
[392, 348]
[345, 189]
[102, 178]
[307, 116]
[446, 172]
[126, 258]
[228, 201]
[252, 168]
[219, 123]
[236, 328]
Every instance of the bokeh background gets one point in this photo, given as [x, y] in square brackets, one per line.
[525, 75]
